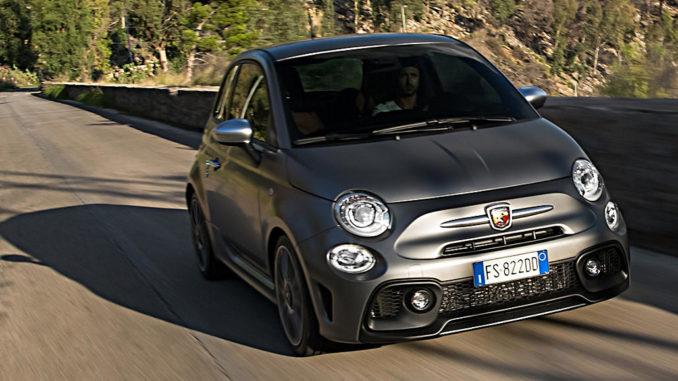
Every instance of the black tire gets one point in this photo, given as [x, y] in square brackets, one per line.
[294, 304]
[210, 267]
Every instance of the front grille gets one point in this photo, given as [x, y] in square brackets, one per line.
[500, 242]
[387, 304]
[609, 258]
[462, 296]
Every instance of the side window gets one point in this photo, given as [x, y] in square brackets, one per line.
[225, 94]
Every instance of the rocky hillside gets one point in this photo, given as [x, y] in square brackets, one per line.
[568, 47]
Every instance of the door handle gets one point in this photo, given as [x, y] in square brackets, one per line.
[213, 163]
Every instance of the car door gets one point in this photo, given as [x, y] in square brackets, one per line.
[235, 177]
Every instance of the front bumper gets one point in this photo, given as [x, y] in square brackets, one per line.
[345, 304]
[461, 307]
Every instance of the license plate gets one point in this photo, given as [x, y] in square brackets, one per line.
[510, 268]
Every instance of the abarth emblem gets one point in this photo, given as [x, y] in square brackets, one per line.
[499, 215]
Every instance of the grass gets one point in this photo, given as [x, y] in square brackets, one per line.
[95, 98]
[55, 91]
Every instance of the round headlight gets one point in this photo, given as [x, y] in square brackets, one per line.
[612, 216]
[362, 214]
[352, 259]
[587, 180]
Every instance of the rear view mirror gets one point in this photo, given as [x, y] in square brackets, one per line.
[534, 95]
[233, 131]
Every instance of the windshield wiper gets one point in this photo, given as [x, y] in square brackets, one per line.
[331, 138]
[442, 124]
[425, 126]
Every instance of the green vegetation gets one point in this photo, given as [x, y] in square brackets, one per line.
[13, 78]
[55, 91]
[94, 97]
[502, 9]
[626, 47]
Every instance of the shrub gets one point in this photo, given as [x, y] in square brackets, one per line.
[55, 91]
[94, 97]
[12, 78]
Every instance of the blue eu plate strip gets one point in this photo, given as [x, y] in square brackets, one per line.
[479, 274]
[543, 262]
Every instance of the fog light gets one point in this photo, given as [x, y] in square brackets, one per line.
[592, 267]
[421, 300]
[352, 259]
[612, 216]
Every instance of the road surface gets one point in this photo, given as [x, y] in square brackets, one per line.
[98, 281]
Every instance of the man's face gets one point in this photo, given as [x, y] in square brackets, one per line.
[408, 81]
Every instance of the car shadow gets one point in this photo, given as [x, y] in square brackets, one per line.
[141, 258]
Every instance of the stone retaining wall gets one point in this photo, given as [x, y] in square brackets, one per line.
[184, 107]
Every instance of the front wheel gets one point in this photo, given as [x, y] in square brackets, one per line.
[294, 305]
[210, 267]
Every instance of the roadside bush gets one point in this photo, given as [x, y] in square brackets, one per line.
[94, 97]
[132, 74]
[55, 91]
[12, 78]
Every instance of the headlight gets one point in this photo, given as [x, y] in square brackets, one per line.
[587, 179]
[362, 214]
[352, 259]
[612, 216]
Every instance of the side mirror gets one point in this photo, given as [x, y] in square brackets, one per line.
[233, 131]
[534, 95]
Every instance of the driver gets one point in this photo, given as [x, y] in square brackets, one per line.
[406, 93]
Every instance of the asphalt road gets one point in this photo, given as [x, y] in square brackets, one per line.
[98, 281]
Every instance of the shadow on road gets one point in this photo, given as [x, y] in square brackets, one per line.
[612, 333]
[181, 136]
[23, 90]
[142, 259]
[157, 187]
[524, 338]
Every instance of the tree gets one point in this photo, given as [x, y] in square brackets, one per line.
[328, 27]
[564, 11]
[284, 21]
[387, 14]
[502, 10]
[98, 52]
[16, 34]
[157, 22]
[224, 25]
[616, 23]
[61, 30]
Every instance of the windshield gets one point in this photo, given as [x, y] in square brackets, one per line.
[365, 90]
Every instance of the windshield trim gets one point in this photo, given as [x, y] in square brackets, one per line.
[352, 48]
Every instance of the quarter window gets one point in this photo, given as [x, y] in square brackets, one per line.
[250, 100]
[258, 110]
[247, 77]
[225, 94]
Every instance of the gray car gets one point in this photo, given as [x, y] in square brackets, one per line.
[392, 187]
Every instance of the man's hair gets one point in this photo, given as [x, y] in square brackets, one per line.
[410, 62]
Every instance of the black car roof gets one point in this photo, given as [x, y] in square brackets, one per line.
[320, 45]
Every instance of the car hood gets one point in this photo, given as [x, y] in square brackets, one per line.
[437, 165]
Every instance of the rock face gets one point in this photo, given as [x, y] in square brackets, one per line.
[523, 47]
[354, 16]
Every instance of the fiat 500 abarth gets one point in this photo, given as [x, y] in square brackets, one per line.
[393, 187]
